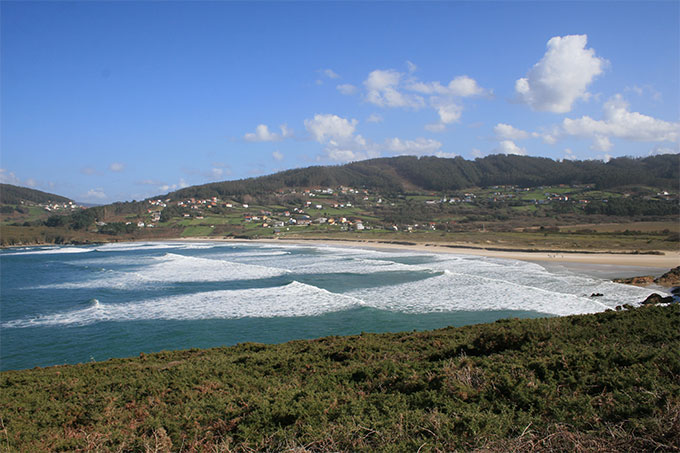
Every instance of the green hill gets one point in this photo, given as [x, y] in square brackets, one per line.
[408, 173]
[603, 382]
[10, 194]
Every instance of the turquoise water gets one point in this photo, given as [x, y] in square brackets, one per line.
[77, 304]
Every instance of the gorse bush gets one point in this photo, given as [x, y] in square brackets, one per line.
[606, 382]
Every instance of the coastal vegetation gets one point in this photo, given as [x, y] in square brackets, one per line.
[605, 382]
[513, 200]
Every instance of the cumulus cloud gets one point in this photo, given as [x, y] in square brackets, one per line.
[347, 89]
[117, 167]
[325, 127]
[8, 177]
[657, 150]
[507, 132]
[343, 144]
[562, 76]
[462, 86]
[419, 146]
[277, 155]
[477, 153]
[170, 187]
[509, 147]
[262, 134]
[619, 122]
[330, 74]
[382, 89]
[389, 88]
[445, 155]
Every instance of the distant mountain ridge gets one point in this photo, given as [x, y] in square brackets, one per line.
[411, 173]
[10, 194]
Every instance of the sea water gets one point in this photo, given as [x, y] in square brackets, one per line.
[77, 304]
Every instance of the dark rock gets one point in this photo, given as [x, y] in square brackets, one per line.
[596, 295]
[655, 298]
[670, 278]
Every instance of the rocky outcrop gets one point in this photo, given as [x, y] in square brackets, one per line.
[636, 281]
[670, 278]
[667, 280]
[655, 298]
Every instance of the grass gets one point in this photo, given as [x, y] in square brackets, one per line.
[605, 382]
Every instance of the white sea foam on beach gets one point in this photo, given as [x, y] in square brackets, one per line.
[171, 268]
[49, 251]
[294, 299]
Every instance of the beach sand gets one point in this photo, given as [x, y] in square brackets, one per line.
[635, 262]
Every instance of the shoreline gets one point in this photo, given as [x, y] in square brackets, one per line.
[662, 260]
[665, 261]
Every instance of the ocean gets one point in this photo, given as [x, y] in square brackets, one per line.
[73, 304]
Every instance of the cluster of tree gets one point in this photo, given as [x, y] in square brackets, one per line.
[630, 207]
[10, 194]
[397, 174]
[116, 228]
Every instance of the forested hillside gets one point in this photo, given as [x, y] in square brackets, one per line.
[407, 173]
[10, 194]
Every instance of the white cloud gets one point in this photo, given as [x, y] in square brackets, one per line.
[411, 67]
[448, 110]
[171, 187]
[507, 132]
[562, 76]
[390, 88]
[509, 147]
[349, 155]
[347, 89]
[95, 195]
[330, 74]
[601, 143]
[8, 177]
[619, 122]
[664, 150]
[477, 153]
[419, 146]
[446, 155]
[374, 118]
[262, 134]
[277, 155]
[382, 90]
[117, 167]
[88, 171]
[325, 127]
[30, 182]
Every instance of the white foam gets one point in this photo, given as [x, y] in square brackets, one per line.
[50, 251]
[171, 268]
[292, 300]
[136, 246]
[471, 289]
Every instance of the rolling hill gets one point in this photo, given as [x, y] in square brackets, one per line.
[10, 194]
[410, 173]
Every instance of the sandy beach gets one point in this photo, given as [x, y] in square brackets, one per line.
[668, 260]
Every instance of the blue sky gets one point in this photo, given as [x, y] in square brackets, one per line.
[109, 101]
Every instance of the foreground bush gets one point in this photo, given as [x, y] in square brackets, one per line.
[606, 382]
